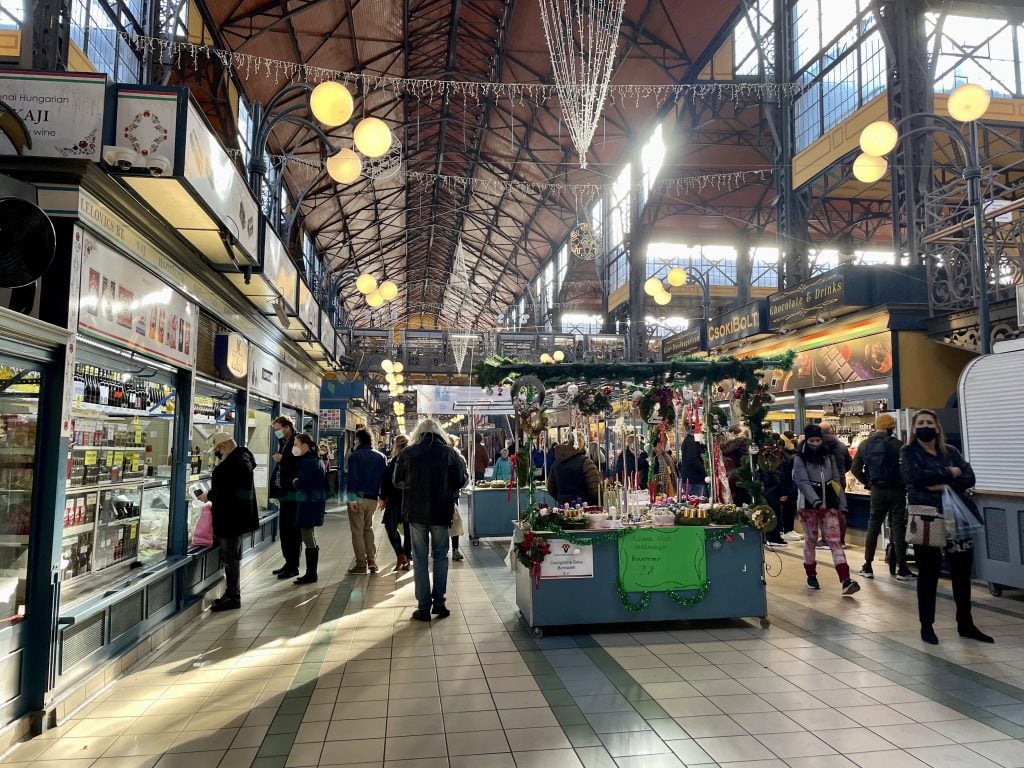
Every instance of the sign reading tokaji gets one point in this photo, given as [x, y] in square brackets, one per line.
[685, 343]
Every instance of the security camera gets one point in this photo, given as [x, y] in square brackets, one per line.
[158, 165]
[121, 157]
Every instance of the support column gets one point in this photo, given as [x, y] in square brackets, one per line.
[637, 245]
[744, 269]
[46, 36]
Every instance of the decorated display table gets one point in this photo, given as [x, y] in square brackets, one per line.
[668, 573]
[493, 511]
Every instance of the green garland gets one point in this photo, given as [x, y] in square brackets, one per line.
[496, 370]
[552, 526]
[673, 595]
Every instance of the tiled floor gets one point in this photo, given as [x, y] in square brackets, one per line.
[337, 675]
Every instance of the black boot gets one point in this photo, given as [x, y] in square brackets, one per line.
[312, 561]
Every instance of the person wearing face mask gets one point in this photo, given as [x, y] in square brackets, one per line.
[820, 499]
[282, 488]
[928, 466]
[877, 466]
[310, 502]
[232, 497]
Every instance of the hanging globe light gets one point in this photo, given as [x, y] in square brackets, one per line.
[968, 103]
[374, 299]
[398, 368]
[366, 283]
[869, 169]
[879, 138]
[372, 136]
[546, 358]
[390, 378]
[387, 366]
[399, 378]
[677, 276]
[652, 286]
[388, 290]
[663, 298]
[331, 104]
[559, 356]
[345, 166]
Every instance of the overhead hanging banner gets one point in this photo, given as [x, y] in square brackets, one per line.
[444, 401]
[64, 112]
[264, 374]
[122, 302]
[663, 559]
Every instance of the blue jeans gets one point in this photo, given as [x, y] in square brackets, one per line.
[438, 543]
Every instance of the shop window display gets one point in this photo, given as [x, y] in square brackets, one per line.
[118, 494]
[213, 411]
[19, 409]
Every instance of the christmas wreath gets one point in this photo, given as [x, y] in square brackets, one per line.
[763, 518]
[531, 552]
[591, 401]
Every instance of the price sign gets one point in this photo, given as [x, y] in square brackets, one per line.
[91, 457]
[118, 459]
[663, 559]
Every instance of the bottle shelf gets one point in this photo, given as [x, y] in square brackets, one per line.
[122, 521]
[127, 448]
[76, 489]
[77, 530]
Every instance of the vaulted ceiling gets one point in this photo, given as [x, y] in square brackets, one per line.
[407, 227]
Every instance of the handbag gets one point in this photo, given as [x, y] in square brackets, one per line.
[926, 526]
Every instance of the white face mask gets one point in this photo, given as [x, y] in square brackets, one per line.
[296, 451]
[279, 434]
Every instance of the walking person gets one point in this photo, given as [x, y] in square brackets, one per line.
[929, 465]
[821, 499]
[365, 472]
[456, 530]
[282, 488]
[232, 497]
[430, 474]
[877, 466]
[391, 503]
[481, 459]
[310, 502]
[844, 462]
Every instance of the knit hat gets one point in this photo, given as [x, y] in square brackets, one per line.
[812, 430]
[885, 421]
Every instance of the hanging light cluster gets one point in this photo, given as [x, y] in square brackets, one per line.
[654, 288]
[966, 104]
[557, 357]
[454, 421]
[393, 376]
[375, 294]
[332, 104]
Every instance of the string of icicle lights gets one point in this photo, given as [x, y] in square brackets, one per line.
[247, 65]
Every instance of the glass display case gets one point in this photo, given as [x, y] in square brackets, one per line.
[214, 410]
[19, 409]
[118, 481]
[259, 440]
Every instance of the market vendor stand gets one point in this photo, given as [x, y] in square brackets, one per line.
[494, 511]
[735, 576]
[627, 569]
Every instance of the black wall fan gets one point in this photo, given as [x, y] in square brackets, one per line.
[28, 244]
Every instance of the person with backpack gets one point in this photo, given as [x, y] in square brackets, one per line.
[877, 466]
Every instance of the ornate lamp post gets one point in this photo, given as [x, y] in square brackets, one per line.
[967, 104]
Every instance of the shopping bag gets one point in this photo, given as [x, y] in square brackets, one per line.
[202, 536]
[959, 518]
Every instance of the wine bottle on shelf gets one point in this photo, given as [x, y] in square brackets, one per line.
[78, 387]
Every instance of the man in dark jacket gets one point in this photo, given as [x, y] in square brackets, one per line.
[573, 476]
[844, 462]
[692, 472]
[282, 488]
[430, 474]
[232, 496]
[877, 466]
[365, 471]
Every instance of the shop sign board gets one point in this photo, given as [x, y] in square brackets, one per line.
[231, 355]
[218, 183]
[124, 303]
[278, 269]
[816, 295]
[847, 362]
[567, 561]
[147, 122]
[64, 112]
[685, 343]
[292, 388]
[310, 396]
[307, 308]
[742, 323]
[264, 374]
[442, 401]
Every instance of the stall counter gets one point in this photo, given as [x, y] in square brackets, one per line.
[494, 510]
[735, 571]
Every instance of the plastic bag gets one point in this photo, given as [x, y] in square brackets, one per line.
[961, 522]
[203, 534]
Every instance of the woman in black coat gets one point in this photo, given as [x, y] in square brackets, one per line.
[929, 465]
[391, 502]
[311, 501]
